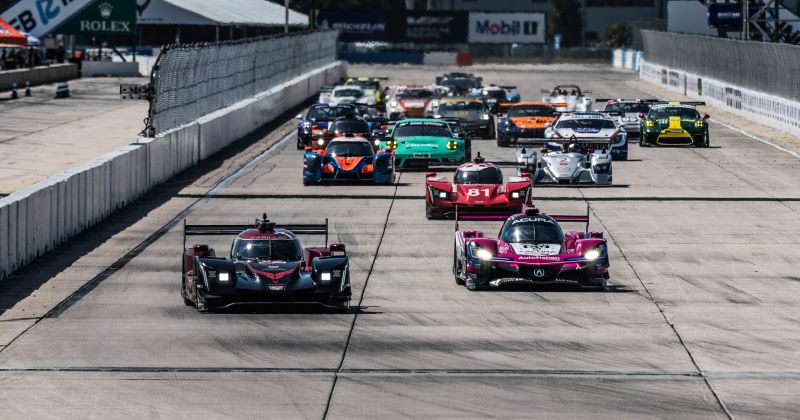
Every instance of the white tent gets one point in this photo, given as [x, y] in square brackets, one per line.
[216, 12]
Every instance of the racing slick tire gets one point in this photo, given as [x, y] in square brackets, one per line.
[300, 145]
[456, 269]
[468, 150]
[503, 141]
[491, 131]
[705, 142]
[429, 214]
[185, 295]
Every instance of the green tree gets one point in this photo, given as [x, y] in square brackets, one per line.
[565, 19]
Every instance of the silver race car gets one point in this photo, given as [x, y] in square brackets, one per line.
[570, 163]
[596, 130]
[628, 112]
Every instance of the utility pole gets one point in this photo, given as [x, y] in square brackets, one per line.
[286, 21]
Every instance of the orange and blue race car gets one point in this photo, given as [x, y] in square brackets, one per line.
[348, 158]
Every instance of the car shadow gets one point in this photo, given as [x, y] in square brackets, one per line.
[294, 308]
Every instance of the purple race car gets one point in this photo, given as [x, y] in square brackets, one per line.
[531, 249]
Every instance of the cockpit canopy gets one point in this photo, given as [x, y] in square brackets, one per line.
[267, 249]
[487, 175]
[532, 230]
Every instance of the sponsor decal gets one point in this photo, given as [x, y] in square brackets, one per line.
[526, 28]
[532, 220]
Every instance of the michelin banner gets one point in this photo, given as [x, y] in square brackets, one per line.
[39, 17]
[505, 28]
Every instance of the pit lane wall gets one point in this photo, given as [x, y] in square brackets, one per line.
[35, 220]
[776, 112]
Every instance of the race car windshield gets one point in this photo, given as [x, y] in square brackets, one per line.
[627, 108]
[462, 106]
[490, 175]
[327, 112]
[350, 126]
[684, 113]
[532, 231]
[531, 111]
[348, 93]
[348, 149]
[431, 130]
[460, 82]
[369, 84]
[496, 94]
[595, 123]
[267, 249]
[415, 94]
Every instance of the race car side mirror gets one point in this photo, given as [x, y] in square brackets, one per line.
[299, 116]
[706, 116]
[430, 174]
[337, 250]
[641, 115]
[525, 174]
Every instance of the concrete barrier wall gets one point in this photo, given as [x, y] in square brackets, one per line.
[38, 75]
[35, 220]
[622, 58]
[779, 113]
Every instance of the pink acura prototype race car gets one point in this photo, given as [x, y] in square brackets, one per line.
[531, 249]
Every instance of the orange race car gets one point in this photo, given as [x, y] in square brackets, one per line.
[525, 120]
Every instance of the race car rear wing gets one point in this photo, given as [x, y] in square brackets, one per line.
[561, 218]
[644, 101]
[216, 230]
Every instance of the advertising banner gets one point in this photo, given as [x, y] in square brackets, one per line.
[429, 26]
[106, 17]
[40, 17]
[355, 25]
[503, 28]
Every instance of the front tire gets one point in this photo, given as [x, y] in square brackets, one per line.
[456, 269]
[503, 141]
[185, 295]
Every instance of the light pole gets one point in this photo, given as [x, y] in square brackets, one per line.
[286, 16]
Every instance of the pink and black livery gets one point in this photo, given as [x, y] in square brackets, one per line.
[266, 265]
[530, 249]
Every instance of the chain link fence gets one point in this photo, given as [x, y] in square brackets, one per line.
[189, 81]
[760, 66]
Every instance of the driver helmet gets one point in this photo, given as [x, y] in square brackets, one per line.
[574, 148]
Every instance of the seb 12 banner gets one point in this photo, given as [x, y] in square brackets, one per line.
[39, 17]
[505, 28]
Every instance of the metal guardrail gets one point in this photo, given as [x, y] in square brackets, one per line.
[765, 67]
[192, 80]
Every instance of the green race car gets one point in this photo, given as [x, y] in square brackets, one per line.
[418, 142]
[674, 124]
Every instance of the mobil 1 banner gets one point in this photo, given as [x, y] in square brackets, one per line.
[355, 25]
[503, 28]
[429, 26]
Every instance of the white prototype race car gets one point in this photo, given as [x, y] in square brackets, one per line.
[570, 163]
[571, 95]
[346, 94]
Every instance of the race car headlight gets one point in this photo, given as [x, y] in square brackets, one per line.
[224, 277]
[321, 142]
[443, 194]
[515, 195]
[592, 255]
[307, 124]
[485, 117]
[377, 142]
[391, 144]
[326, 276]
[699, 123]
[601, 168]
[393, 104]
[649, 124]
[483, 254]
[452, 145]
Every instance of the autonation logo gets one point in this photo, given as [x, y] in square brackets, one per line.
[506, 27]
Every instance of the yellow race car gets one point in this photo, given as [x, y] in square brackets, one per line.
[370, 86]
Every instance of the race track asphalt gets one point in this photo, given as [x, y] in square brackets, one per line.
[700, 321]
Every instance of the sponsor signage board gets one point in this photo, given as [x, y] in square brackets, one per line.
[429, 26]
[355, 25]
[504, 28]
[106, 17]
[40, 17]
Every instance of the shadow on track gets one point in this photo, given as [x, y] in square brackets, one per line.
[29, 279]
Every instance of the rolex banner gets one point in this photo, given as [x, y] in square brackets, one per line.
[103, 17]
